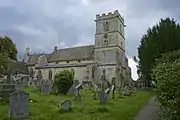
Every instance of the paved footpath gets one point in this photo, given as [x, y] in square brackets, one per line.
[149, 111]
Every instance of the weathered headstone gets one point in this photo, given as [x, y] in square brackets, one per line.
[119, 91]
[19, 105]
[66, 105]
[76, 92]
[6, 90]
[72, 89]
[126, 91]
[96, 92]
[113, 90]
[106, 94]
[46, 87]
[101, 97]
[19, 85]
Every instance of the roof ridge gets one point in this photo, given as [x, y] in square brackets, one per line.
[75, 47]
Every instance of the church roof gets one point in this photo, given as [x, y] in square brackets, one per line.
[17, 67]
[74, 53]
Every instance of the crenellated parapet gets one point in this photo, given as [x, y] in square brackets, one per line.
[109, 15]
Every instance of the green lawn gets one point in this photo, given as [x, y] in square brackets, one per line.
[46, 107]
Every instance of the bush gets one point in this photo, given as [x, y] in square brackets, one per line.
[63, 81]
[167, 76]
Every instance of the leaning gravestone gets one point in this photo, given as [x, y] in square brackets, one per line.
[66, 105]
[19, 105]
[46, 87]
[76, 92]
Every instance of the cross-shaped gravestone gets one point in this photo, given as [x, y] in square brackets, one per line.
[66, 105]
[113, 90]
[46, 87]
[19, 105]
[76, 92]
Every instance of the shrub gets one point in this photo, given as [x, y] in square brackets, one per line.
[63, 81]
[167, 76]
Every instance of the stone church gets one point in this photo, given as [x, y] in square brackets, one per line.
[106, 57]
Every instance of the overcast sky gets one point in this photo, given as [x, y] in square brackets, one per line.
[43, 24]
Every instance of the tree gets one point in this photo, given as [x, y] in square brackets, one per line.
[7, 51]
[161, 38]
[63, 81]
[166, 73]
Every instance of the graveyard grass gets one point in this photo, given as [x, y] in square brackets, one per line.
[46, 107]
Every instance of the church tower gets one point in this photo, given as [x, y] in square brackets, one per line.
[110, 43]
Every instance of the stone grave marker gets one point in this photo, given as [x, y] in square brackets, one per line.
[19, 85]
[113, 90]
[66, 105]
[72, 89]
[6, 90]
[96, 92]
[106, 94]
[46, 87]
[101, 97]
[76, 92]
[119, 91]
[126, 91]
[19, 105]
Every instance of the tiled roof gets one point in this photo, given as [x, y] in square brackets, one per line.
[75, 53]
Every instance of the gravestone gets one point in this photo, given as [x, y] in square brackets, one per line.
[66, 105]
[19, 85]
[106, 94]
[113, 90]
[126, 91]
[19, 105]
[119, 91]
[46, 87]
[32, 82]
[25, 80]
[76, 92]
[6, 90]
[101, 97]
[87, 84]
[96, 92]
[72, 89]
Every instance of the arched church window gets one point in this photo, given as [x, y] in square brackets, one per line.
[39, 75]
[31, 72]
[50, 74]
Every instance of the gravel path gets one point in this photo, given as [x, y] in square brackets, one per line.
[149, 111]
